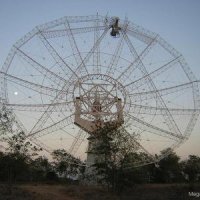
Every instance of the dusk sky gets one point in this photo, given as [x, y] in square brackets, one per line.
[178, 22]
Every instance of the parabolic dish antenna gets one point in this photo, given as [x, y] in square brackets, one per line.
[64, 75]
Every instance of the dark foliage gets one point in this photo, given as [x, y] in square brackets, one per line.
[22, 163]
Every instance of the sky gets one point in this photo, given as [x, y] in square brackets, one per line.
[176, 21]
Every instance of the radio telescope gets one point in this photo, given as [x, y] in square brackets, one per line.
[64, 77]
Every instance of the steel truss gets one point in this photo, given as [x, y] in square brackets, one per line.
[118, 67]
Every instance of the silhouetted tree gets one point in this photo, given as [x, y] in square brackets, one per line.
[168, 169]
[40, 169]
[6, 121]
[19, 155]
[66, 165]
[191, 168]
[115, 150]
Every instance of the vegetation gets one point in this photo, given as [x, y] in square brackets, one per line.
[116, 152]
[21, 162]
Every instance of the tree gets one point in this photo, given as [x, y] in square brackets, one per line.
[191, 167]
[169, 169]
[66, 165]
[19, 152]
[6, 121]
[133, 172]
[114, 149]
[40, 168]
[19, 155]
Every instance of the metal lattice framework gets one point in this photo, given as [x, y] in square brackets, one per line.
[90, 56]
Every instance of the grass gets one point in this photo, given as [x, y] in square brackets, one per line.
[80, 192]
[16, 193]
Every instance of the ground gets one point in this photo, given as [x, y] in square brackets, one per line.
[76, 192]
